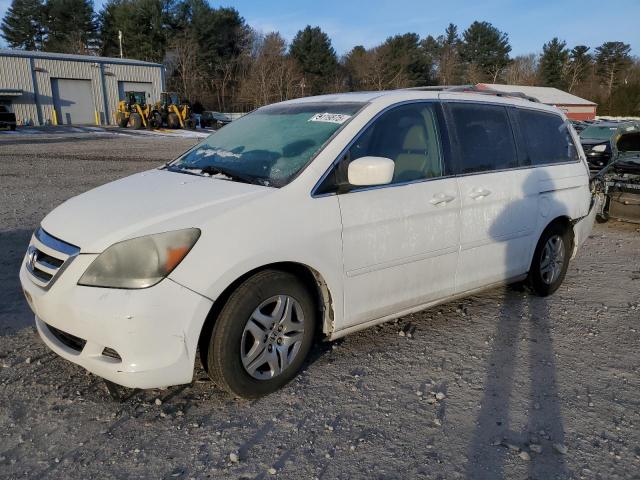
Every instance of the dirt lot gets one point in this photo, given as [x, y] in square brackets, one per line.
[526, 387]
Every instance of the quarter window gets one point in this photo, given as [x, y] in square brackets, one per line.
[484, 136]
[546, 137]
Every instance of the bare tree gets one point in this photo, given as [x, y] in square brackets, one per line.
[182, 61]
[523, 70]
[273, 76]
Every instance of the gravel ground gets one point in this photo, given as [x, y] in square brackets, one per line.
[500, 385]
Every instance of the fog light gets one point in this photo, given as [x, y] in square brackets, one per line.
[27, 295]
[110, 352]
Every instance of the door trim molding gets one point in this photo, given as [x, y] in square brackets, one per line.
[401, 261]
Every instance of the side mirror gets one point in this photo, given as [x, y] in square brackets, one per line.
[369, 171]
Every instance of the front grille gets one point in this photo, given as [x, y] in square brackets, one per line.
[47, 256]
[71, 341]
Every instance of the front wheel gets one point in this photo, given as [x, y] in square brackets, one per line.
[262, 335]
[136, 121]
[550, 260]
[121, 120]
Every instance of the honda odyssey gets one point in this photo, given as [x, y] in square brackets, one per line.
[314, 217]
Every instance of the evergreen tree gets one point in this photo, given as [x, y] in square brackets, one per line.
[611, 58]
[312, 49]
[22, 25]
[449, 56]
[221, 36]
[553, 63]
[145, 25]
[579, 63]
[407, 62]
[70, 26]
[485, 50]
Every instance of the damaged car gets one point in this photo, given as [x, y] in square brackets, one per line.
[599, 141]
[304, 220]
[619, 182]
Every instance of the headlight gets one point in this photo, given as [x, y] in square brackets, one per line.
[140, 262]
[599, 148]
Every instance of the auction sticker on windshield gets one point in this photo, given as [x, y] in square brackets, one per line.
[330, 117]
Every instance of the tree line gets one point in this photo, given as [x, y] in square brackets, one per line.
[214, 56]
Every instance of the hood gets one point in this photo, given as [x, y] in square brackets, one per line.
[592, 141]
[147, 202]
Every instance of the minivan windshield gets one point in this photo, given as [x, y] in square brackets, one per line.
[269, 146]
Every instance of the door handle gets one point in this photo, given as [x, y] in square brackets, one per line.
[478, 193]
[440, 199]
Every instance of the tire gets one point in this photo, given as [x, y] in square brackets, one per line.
[121, 120]
[13, 128]
[136, 121]
[602, 217]
[155, 121]
[252, 308]
[173, 121]
[190, 123]
[555, 244]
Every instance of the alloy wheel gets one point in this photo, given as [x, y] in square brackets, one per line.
[272, 337]
[552, 259]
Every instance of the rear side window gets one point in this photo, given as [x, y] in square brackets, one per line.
[547, 138]
[484, 137]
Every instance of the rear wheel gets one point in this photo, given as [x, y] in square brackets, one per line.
[550, 260]
[155, 120]
[13, 128]
[136, 121]
[262, 335]
[173, 121]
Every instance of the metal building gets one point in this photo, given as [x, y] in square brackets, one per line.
[60, 89]
[574, 107]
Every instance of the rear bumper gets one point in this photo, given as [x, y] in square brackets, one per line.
[154, 331]
[583, 227]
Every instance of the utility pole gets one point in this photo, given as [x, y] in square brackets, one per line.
[120, 40]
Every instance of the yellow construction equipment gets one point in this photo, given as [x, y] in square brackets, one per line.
[175, 112]
[136, 112]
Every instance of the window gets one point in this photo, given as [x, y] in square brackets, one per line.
[546, 137]
[484, 136]
[409, 136]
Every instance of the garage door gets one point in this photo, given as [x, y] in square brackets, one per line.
[73, 101]
[136, 87]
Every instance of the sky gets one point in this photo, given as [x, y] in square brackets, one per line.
[529, 23]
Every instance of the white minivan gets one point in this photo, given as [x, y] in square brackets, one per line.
[310, 218]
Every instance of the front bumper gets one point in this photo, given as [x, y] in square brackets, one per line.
[154, 331]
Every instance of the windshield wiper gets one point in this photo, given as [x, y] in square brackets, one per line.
[216, 170]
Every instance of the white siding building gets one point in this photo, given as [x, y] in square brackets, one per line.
[61, 89]
[574, 107]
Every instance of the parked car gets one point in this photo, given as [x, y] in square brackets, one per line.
[214, 120]
[579, 125]
[598, 141]
[620, 182]
[315, 217]
[7, 118]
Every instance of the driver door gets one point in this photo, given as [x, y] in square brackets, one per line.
[400, 241]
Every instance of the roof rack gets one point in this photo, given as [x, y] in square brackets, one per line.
[474, 89]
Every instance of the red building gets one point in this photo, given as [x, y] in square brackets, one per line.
[575, 108]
